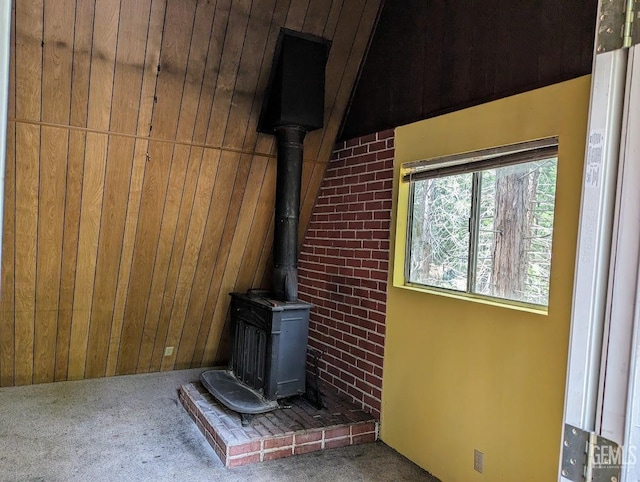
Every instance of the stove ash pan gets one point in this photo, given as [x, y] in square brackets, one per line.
[269, 344]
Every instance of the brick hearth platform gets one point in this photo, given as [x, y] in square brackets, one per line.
[299, 429]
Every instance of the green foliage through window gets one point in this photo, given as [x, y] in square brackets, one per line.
[487, 232]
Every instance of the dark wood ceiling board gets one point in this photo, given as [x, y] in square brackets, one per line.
[194, 75]
[7, 313]
[159, 312]
[230, 260]
[90, 211]
[473, 52]
[551, 22]
[229, 64]
[59, 25]
[484, 51]
[52, 186]
[175, 306]
[432, 58]
[140, 158]
[191, 306]
[71, 233]
[230, 222]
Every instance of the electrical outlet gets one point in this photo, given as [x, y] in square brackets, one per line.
[168, 351]
[478, 461]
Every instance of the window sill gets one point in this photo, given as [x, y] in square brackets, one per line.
[485, 300]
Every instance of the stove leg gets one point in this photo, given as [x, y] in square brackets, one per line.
[246, 419]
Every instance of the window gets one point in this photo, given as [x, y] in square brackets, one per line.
[482, 223]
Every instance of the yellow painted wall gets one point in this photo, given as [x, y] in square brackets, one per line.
[461, 375]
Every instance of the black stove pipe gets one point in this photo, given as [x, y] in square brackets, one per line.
[285, 236]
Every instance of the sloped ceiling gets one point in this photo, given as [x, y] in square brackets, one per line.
[138, 192]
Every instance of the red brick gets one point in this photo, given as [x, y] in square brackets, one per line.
[308, 437]
[336, 433]
[278, 454]
[305, 449]
[278, 442]
[244, 448]
[363, 428]
[364, 438]
[247, 459]
[338, 442]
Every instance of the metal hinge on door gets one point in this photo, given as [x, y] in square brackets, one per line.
[618, 24]
[587, 457]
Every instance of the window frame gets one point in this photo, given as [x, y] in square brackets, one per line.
[474, 162]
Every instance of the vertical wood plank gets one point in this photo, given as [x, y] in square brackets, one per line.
[154, 190]
[182, 184]
[243, 97]
[229, 64]
[166, 244]
[53, 170]
[82, 50]
[112, 213]
[195, 69]
[176, 301]
[29, 32]
[171, 81]
[71, 230]
[212, 68]
[26, 234]
[92, 193]
[59, 25]
[189, 305]
[147, 101]
[103, 55]
[83, 37]
[127, 83]
[7, 315]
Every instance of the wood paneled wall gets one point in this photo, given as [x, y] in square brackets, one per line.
[138, 192]
[432, 57]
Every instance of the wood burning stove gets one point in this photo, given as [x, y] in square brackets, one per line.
[270, 329]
